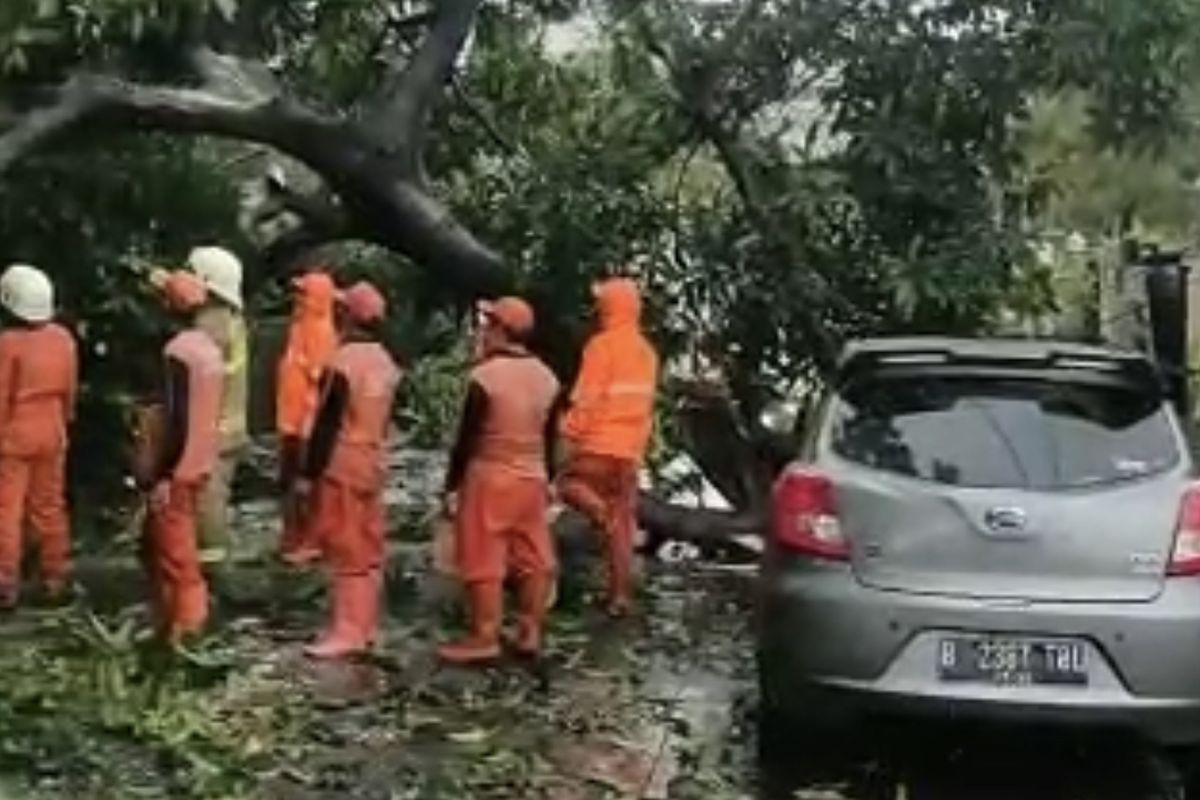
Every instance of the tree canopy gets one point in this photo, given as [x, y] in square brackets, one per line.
[781, 173]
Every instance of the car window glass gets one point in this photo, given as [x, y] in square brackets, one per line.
[1004, 433]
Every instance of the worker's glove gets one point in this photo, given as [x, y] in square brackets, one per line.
[160, 496]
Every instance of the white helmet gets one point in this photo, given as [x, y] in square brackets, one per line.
[27, 293]
[221, 272]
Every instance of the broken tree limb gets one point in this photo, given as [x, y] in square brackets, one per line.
[412, 88]
[663, 522]
[383, 197]
[105, 100]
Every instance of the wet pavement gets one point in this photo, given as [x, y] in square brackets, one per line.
[662, 706]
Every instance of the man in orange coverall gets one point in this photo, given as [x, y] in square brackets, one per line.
[312, 340]
[346, 461]
[195, 371]
[38, 380]
[498, 485]
[607, 429]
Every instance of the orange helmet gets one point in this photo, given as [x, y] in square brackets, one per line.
[364, 303]
[511, 313]
[182, 291]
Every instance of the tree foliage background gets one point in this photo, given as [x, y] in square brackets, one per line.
[782, 174]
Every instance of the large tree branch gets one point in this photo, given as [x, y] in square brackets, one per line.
[411, 89]
[236, 78]
[423, 229]
[23, 132]
[380, 193]
[320, 210]
[103, 100]
[287, 222]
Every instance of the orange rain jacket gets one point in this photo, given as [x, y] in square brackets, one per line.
[612, 405]
[312, 341]
[38, 386]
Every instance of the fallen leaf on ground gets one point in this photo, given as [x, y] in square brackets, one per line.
[471, 736]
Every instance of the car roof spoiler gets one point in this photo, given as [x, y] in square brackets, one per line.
[1001, 355]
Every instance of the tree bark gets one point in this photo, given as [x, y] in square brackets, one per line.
[374, 166]
[706, 528]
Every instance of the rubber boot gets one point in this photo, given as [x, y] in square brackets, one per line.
[344, 636]
[483, 644]
[164, 610]
[191, 608]
[372, 604]
[366, 607]
[533, 594]
[618, 598]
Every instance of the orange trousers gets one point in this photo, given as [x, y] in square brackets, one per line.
[300, 540]
[350, 527]
[172, 559]
[31, 491]
[604, 490]
[501, 525]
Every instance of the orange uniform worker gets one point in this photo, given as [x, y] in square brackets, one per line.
[38, 383]
[608, 428]
[499, 481]
[191, 447]
[311, 343]
[346, 462]
[223, 319]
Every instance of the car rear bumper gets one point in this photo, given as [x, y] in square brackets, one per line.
[829, 646]
[1167, 722]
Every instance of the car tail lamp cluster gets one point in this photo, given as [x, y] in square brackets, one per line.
[1185, 556]
[804, 516]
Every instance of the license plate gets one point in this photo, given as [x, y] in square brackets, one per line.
[1013, 662]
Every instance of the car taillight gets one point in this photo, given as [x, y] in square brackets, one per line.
[804, 516]
[1185, 556]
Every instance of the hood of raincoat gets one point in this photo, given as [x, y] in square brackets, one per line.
[312, 340]
[315, 295]
[618, 302]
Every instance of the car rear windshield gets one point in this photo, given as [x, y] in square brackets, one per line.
[987, 432]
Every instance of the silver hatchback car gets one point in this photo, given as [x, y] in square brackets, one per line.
[987, 529]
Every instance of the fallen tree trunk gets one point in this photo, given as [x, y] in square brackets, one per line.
[703, 527]
[728, 453]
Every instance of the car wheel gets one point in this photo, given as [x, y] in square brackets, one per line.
[773, 726]
[793, 734]
[1177, 773]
